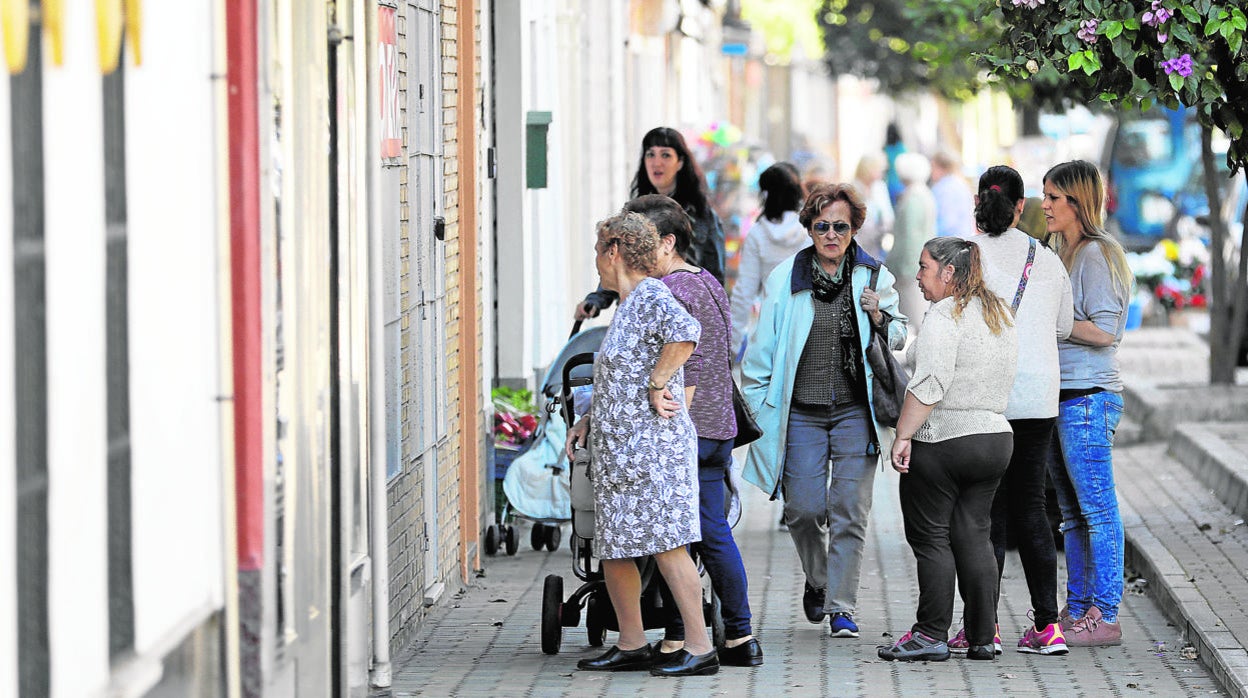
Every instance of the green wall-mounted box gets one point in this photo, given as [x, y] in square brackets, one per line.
[536, 125]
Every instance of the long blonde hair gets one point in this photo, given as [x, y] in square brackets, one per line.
[968, 280]
[1080, 182]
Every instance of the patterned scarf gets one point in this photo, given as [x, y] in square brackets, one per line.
[826, 288]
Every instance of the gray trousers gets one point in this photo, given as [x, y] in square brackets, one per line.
[828, 476]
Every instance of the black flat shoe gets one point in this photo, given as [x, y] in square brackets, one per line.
[748, 653]
[689, 665]
[658, 657]
[981, 652]
[616, 659]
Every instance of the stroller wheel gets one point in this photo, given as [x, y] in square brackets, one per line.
[553, 535]
[537, 535]
[552, 607]
[595, 624]
[512, 540]
[491, 539]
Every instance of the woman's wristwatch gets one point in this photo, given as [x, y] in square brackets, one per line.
[651, 386]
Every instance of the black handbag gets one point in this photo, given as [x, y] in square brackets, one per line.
[748, 430]
[889, 378]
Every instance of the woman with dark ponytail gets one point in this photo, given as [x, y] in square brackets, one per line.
[1019, 269]
[953, 444]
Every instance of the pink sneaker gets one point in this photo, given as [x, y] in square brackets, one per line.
[1093, 631]
[1048, 641]
[959, 644]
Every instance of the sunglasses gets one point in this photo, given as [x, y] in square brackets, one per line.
[841, 228]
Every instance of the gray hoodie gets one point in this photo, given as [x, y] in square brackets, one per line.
[768, 244]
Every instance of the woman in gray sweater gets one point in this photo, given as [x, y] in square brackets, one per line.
[953, 444]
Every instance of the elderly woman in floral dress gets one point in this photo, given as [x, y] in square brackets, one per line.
[644, 451]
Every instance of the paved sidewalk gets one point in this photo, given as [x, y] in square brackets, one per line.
[485, 642]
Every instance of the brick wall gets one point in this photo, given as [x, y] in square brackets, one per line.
[407, 515]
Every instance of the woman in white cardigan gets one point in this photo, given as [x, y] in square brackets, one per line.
[953, 444]
[1034, 281]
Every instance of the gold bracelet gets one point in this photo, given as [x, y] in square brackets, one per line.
[650, 384]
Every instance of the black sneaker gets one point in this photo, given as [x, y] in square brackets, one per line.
[812, 603]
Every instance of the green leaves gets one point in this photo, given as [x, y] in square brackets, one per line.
[1087, 60]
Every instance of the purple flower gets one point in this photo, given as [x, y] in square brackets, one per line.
[1181, 65]
[1161, 38]
[1087, 30]
[1029, 4]
[1157, 16]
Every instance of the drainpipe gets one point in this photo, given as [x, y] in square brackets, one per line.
[243, 114]
[378, 512]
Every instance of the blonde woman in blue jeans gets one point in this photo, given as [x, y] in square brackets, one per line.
[1090, 404]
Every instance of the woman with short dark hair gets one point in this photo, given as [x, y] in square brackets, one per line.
[806, 379]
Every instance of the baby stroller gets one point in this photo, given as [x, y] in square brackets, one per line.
[534, 485]
[591, 596]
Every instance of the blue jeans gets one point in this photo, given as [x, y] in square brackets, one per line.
[829, 467]
[717, 549]
[1083, 477]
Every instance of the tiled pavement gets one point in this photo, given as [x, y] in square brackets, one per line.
[1190, 546]
[485, 642]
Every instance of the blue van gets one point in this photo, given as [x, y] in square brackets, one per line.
[1151, 158]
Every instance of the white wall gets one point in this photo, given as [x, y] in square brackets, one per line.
[174, 341]
[77, 448]
[8, 429]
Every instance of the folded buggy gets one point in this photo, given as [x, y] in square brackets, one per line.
[534, 484]
[591, 596]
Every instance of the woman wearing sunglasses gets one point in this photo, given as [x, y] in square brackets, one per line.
[805, 377]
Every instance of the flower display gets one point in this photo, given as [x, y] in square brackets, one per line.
[1087, 30]
[515, 416]
[1174, 273]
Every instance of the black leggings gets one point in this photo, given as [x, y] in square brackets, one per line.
[946, 500]
[1020, 507]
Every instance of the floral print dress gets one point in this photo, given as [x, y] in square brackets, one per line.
[644, 467]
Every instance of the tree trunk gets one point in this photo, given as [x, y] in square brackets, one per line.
[1221, 354]
[1239, 308]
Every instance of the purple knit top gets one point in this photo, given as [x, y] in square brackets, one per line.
[708, 369]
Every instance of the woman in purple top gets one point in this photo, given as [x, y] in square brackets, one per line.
[708, 377]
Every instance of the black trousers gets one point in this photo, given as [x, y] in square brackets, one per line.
[946, 500]
[1020, 507]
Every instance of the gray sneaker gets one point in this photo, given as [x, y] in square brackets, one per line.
[915, 647]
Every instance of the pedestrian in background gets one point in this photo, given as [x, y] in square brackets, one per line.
[1090, 403]
[805, 378]
[643, 451]
[893, 147]
[955, 213]
[953, 444]
[869, 181]
[708, 393]
[776, 235]
[1017, 268]
[915, 224]
[667, 167]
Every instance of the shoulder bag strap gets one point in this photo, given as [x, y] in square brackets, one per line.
[1022, 281]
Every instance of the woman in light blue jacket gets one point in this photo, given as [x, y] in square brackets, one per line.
[805, 377]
